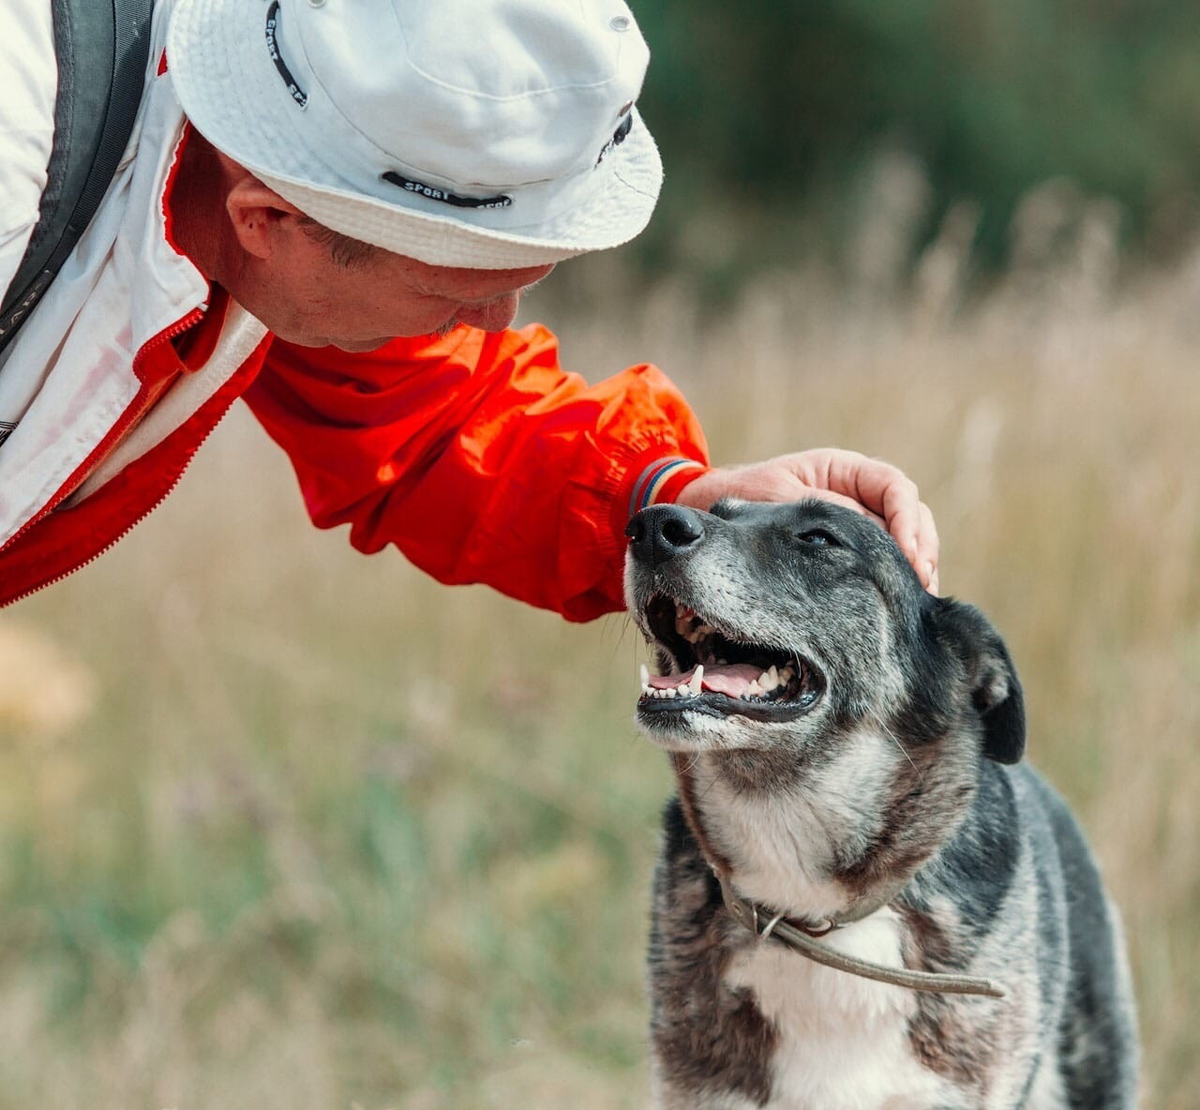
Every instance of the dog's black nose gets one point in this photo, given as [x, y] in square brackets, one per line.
[661, 532]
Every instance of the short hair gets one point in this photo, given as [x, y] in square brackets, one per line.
[344, 250]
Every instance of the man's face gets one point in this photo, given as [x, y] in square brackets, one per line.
[306, 296]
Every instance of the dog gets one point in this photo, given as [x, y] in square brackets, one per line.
[851, 790]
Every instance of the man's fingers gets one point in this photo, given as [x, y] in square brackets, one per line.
[912, 528]
[928, 550]
[890, 496]
[884, 489]
[875, 489]
[895, 497]
[910, 522]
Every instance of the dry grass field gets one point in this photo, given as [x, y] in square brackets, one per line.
[285, 827]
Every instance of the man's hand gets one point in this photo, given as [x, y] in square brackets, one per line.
[868, 486]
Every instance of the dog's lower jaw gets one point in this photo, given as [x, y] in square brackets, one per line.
[688, 732]
[752, 730]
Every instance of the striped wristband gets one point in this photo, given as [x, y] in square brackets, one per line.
[661, 480]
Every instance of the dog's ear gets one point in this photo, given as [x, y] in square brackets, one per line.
[995, 688]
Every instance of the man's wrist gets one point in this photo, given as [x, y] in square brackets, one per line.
[651, 477]
[661, 482]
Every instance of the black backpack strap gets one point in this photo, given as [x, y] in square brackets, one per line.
[102, 47]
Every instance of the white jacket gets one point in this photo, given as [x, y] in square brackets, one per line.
[69, 385]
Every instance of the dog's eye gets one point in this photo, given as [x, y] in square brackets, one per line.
[818, 538]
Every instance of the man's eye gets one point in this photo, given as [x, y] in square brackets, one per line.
[818, 538]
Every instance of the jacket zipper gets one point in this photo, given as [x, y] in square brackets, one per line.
[111, 437]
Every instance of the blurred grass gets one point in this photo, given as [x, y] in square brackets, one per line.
[288, 827]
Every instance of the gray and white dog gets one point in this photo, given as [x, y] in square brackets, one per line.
[848, 749]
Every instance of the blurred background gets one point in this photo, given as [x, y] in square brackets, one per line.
[283, 826]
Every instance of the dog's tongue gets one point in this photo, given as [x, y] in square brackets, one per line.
[731, 680]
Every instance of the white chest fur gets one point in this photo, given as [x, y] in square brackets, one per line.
[779, 845]
[842, 1040]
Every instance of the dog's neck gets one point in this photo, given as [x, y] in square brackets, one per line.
[820, 840]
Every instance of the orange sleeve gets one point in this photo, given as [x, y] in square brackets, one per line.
[480, 458]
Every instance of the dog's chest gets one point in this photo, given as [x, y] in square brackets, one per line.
[842, 1041]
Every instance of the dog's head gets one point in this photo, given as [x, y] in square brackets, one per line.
[781, 629]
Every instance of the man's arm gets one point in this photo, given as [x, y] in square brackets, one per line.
[480, 458]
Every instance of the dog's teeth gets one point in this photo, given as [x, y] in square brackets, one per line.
[770, 679]
[684, 618]
[694, 685]
[754, 689]
[645, 675]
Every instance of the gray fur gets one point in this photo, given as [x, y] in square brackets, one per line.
[903, 770]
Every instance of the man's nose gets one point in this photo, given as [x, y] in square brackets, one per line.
[661, 532]
[499, 312]
[494, 315]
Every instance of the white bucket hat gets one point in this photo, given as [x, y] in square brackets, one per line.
[492, 134]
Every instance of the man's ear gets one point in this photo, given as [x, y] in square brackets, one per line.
[995, 688]
[256, 213]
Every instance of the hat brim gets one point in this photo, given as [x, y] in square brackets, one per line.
[227, 86]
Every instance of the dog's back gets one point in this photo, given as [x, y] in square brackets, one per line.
[1094, 1035]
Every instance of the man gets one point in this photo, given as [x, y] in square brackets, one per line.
[331, 208]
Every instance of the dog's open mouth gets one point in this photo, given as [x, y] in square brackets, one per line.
[712, 670]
